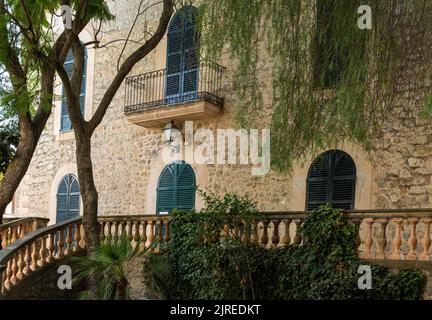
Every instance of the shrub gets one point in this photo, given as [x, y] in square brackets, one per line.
[202, 263]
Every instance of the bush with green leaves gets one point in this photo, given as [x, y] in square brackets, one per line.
[112, 262]
[201, 262]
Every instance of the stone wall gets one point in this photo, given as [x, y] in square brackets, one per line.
[127, 158]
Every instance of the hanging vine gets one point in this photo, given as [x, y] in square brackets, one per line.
[331, 80]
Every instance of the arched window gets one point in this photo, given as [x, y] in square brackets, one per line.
[182, 56]
[176, 188]
[68, 66]
[68, 198]
[331, 179]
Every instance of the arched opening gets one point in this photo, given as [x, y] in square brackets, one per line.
[176, 188]
[331, 179]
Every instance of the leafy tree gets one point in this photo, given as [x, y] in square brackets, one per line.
[331, 81]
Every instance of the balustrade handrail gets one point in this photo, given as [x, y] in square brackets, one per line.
[29, 238]
[19, 221]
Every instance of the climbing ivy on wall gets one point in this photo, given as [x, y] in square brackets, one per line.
[312, 46]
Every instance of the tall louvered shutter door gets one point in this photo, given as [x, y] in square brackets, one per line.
[318, 183]
[62, 201]
[174, 57]
[331, 180]
[182, 56]
[65, 121]
[68, 66]
[344, 178]
[185, 196]
[190, 45]
[165, 192]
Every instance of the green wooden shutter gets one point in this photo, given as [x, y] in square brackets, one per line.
[176, 188]
[331, 179]
[65, 123]
[182, 56]
[68, 194]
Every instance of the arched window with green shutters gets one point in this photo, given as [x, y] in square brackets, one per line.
[331, 179]
[176, 188]
[65, 123]
[182, 56]
[68, 198]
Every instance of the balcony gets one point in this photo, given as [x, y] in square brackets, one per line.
[155, 98]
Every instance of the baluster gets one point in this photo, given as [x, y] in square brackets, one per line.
[77, 237]
[14, 266]
[143, 237]
[108, 236]
[397, 240]
[136, 232]
[60, 244]
[246, 232]
[412, 241]
[13, 234]
[369, 238]
[275, 237]
[7, 282]
[68, 248]
[286, 239]
[83, 242]
[120, 229]
[357, 240]
[382, 239]
[41, 262]
[102, 230]
[129, 231]
[27, 259]
[167, 235]
[297, 238]
[254, 237]
[34, 257]
[22, 231]
[151, 236]
[264, 237]
[115, 233]
[4, 238]
[20, 265]
[50, 256]
[426, 241]
[159, 233]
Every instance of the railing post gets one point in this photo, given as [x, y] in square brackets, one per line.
[426, 241]
[369, 238]
[286, 240]
[275, 237]
[412, 241]
[397, 240]
[264, 237]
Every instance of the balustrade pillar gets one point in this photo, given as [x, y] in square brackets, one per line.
[382, 239]
[412, 241]
[167, 235]
[369, 238]
[254, 237]
[286, 239]
[264, 237]
[275, 236]
[397, 240]
[297, 238]
[426, 240]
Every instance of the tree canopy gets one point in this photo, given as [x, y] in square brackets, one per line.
[331, 81]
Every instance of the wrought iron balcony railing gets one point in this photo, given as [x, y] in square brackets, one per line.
[162, 88]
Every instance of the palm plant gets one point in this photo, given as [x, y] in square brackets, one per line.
[112, 263]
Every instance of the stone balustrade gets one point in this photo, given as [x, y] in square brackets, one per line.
[38, 248]
[385, 235]
[18, 228]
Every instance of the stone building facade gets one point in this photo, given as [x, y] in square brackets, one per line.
[128, 162]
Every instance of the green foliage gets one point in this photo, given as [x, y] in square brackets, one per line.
[112, 262]
[202, 263]
[305, 53]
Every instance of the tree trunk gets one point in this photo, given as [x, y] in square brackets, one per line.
[16, 169]
[121, 289]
